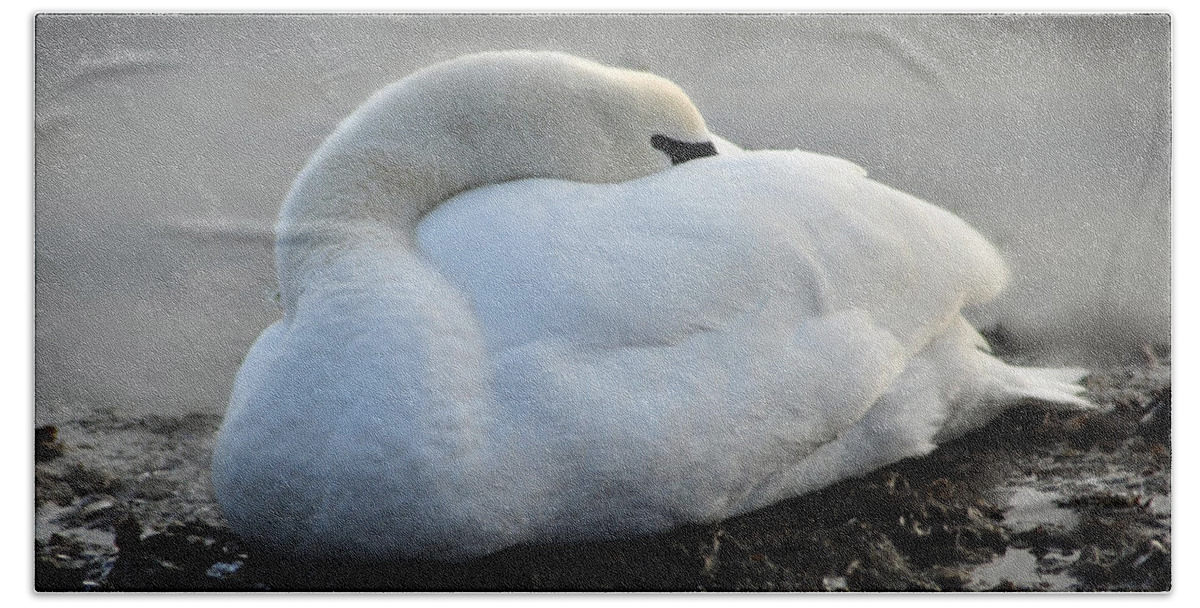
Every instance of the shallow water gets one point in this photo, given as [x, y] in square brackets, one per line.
[1029, 508]
[1022, 568]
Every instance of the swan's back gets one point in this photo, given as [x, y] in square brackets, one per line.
[652, 260]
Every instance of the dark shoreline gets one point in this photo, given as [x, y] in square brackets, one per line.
[1036, 501]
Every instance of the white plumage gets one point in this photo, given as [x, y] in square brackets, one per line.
[509, 318]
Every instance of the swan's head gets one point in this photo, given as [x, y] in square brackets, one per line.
[475, 121]
[494, 117]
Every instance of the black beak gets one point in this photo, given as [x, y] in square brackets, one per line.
[682, 151]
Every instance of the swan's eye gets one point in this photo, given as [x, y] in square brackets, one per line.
[682, 151]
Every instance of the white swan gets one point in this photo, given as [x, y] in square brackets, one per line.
[471, 359]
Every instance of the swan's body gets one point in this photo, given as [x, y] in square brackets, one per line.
[622, 346]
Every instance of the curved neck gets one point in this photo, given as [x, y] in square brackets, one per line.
[359, 196]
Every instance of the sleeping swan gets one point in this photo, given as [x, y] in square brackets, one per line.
[529, 298]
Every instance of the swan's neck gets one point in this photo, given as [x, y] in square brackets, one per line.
[349, 200]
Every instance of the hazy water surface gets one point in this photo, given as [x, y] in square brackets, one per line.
[165, 145]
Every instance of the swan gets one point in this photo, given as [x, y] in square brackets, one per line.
[529, 298]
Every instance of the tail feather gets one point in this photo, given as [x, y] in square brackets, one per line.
[1057, 386]
[1002, 386]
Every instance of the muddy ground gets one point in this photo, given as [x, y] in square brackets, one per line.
[1036, 501]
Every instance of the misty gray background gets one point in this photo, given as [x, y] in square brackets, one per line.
[165, 144]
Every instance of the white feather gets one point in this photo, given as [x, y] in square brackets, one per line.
[530, 327]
